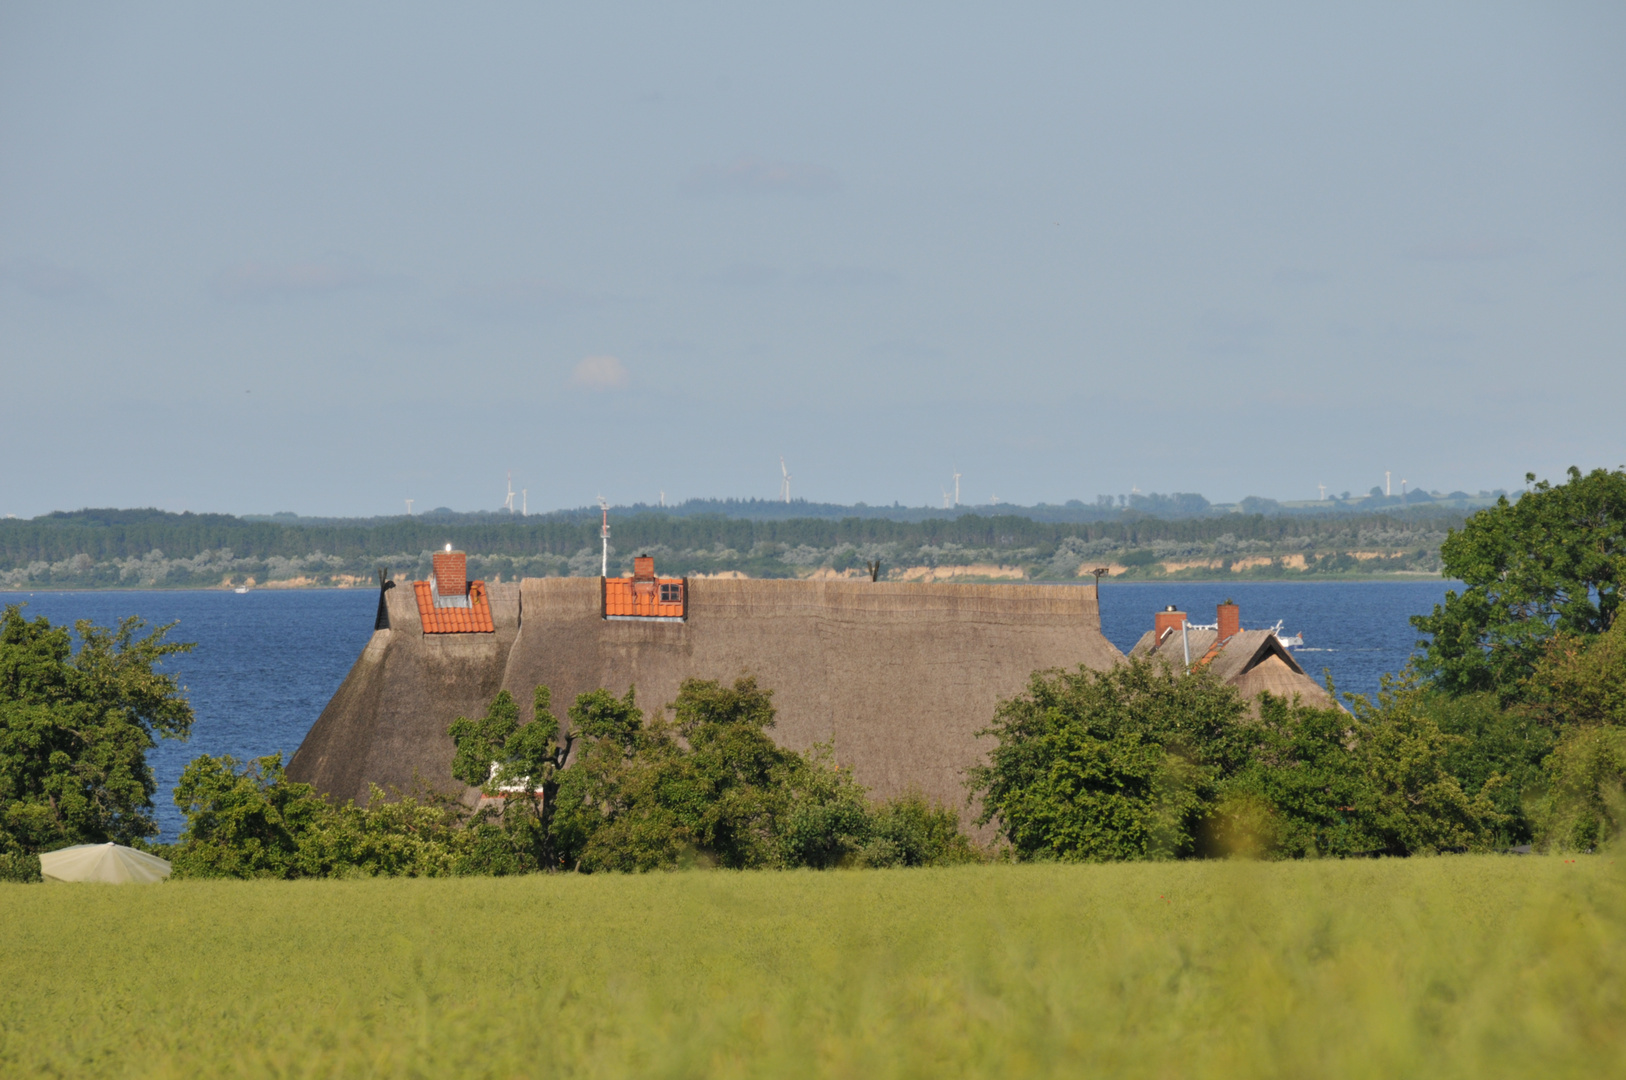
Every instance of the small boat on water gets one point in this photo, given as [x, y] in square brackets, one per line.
[1287, 641]
[241, 589]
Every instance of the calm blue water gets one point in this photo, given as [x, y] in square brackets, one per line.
[1356, 630]
[265, 665]
[267, 662]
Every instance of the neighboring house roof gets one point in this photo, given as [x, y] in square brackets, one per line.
[1253, 661]
[474, 619]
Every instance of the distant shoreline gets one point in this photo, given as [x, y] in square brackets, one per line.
[1232, 579]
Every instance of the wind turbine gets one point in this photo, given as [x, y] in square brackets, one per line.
[508, 503]
[524, 506]
[1323, 488]
[409, 507]
[784, 483]
[1386, 490]
[956, 486]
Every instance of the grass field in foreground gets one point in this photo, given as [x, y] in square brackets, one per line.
[1453, 966]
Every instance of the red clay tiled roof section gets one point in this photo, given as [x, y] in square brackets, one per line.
[628, 596]
[474, 619]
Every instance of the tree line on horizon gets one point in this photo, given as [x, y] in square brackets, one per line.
[147, 548]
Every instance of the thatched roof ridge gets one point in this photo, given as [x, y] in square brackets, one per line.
[1273, 675]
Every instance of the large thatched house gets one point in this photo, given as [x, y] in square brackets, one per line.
[1253, 661]
[899, 677]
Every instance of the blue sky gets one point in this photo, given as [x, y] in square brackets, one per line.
[299, 258]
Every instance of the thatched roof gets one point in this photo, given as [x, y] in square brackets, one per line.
[388, 719]
[899, 676]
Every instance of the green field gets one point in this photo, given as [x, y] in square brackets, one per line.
[1449, 966]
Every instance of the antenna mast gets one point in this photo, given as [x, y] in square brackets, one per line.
[604, 534]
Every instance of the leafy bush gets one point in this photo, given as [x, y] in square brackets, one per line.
[707, 786]
[1139, 762]
[20, 867]
[1120, 764]
[1584, 805]
[252, 822]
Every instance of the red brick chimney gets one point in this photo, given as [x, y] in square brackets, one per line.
[643, 568]
[451, 572]
[1168, 619]
[1229, 618]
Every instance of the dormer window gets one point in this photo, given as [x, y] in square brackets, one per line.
[645, 596]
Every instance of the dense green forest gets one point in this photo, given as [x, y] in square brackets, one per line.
[152, 548]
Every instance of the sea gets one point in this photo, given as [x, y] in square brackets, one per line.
[267, 661]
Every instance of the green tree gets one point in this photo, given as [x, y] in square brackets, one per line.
[246, 822]
[1418, 805]
[708, 786]
[615, 812]
[1498, 751]
[1120, 764]
[1324, 782]
[75, 728]
[1584, 804]
[827, 820]
[734, 787]
[1551, 563]
[519, 763]
[1581, 681]
[910, 831]
[1302, 793]
[253, 822]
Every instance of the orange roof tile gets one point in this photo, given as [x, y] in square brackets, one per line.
[474, 619]
[642, 598]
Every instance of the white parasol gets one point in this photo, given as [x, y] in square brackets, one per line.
[112, 863]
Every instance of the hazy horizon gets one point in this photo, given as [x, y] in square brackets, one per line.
[325, 260]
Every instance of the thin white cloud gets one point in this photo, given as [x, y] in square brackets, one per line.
[746, 276]
[846, 279]
[523, 298]
[268, 281]
[50, 281]
[753, 176]
[1228, 334]
[1468, 249]
[600, 373]
[814, 278]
